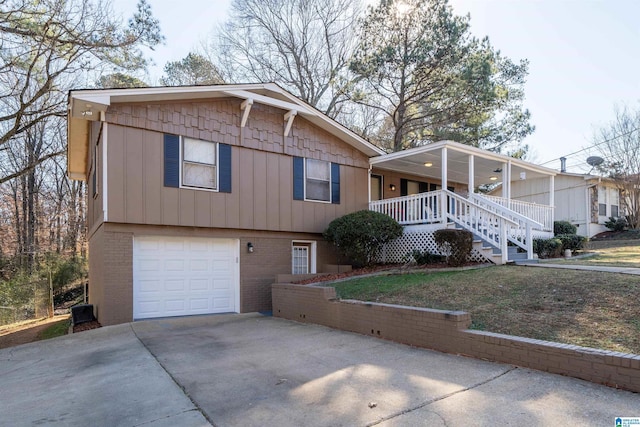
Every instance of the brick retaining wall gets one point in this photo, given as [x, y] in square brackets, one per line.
[448, 331]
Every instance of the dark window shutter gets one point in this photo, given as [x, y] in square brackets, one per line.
[335, 183]
[224, 168]
[298, 178]
[403, 187]
[171, 160]
[423, 187]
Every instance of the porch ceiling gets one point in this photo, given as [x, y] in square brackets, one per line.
[486, 164]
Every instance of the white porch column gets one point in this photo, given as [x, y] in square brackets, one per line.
[444, 168]
[552, 201]
[505, 180]
[509, 180]
[472, 184]
[443, 178]
[369, 186]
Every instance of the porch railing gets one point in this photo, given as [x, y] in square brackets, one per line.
[485, 216]
[415, 209]
[542, 214]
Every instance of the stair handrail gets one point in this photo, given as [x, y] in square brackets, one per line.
[506, 211]
[496, 236]
[528, 223]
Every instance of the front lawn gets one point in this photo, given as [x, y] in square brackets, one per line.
[615, 253]
[591, 309]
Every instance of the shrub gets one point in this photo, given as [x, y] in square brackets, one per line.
[547, 248]
[455, 244]
[564, 227]
[616, 224]
[423, 258]
[359, 236]
[572, 241]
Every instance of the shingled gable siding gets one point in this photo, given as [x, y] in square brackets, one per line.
[448, 331]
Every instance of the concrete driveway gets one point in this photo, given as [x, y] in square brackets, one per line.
[246, 370]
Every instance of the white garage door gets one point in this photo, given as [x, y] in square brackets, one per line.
[176, 276]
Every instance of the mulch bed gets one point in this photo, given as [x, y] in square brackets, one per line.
[86, 326]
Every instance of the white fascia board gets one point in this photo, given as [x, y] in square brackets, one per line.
[456, 146]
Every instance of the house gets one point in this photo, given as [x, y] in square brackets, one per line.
[199, 196]
[587, 201]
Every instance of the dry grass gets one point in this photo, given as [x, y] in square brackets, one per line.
[591, 309]
[616, 253]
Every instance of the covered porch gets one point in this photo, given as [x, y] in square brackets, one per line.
[437, 185]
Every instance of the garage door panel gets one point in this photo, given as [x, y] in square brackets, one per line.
[199, 265]
[149, 265]
[177, 285]
[181, 276]
[174, 265]
[199, 285]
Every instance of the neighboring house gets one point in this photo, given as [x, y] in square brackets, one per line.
[199, 196]
[587, 201]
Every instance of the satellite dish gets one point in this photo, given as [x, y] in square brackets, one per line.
[595, 161]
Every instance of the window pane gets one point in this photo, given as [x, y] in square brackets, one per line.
[317, 169]
[602, 209]
[300, 260]
[197, 175]
[318, 190]
[614, 211]
[199, 151]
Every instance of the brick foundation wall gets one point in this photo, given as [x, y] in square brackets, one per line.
[110, 276]
[447, 331]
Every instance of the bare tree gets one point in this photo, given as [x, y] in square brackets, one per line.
[303, 45]
[48, 44]
[619, 144]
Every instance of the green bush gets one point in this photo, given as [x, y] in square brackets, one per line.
[572, 241]
[616, 224]
[359, 236]
[564, 227]
[547, 248]
[455, 244]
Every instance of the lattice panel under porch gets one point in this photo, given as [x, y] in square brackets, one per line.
[420, 238]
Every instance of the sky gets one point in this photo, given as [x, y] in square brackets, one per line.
[584, 58]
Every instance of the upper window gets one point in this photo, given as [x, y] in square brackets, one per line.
[194, 163]
[317, 180]
[199, 163]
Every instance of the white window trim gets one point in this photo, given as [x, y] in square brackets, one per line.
[304, 170]
[191, 187]
[312, 254]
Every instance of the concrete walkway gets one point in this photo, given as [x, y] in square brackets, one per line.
[246, 370]
[622, 270]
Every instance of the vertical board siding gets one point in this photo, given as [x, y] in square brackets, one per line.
[260, 190]
[152, 174]
[273, 192]
[261, 184]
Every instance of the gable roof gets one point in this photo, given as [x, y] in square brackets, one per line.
[89, 105]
